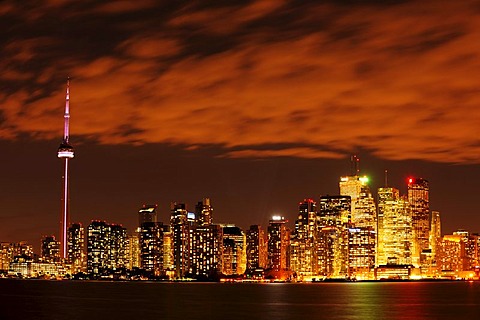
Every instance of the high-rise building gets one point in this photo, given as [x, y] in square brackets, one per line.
[395, 231]
[278, 243]
[132, 251]
[234, 243]
[151, 247]
[179, 224]
[361, 252]
[65, 152]
[303, 251]
[435, 234]
[418, 198]
[105, 247]
[147, 213]
[256, 248]
[451, 254]
[207, 250]
[334, 211]
[204, 212]
[334, 220]
[50, 249]
[76, 247]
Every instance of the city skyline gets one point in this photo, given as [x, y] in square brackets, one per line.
[257, 113]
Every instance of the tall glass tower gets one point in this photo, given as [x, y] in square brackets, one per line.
[65, 152]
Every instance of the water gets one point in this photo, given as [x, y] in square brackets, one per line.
[35, 299]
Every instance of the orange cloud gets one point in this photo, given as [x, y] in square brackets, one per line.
[400, 81]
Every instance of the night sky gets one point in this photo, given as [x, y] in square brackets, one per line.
[255, 104]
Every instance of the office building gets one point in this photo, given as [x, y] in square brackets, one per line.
[76, 248]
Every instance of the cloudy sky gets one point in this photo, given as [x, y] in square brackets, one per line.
[257, 104]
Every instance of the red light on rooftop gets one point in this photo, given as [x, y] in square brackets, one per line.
[410, 180]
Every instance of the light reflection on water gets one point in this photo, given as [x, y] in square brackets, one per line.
[143, 300]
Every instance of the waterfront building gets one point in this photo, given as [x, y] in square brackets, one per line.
[50, 248]
[234, 244]
[451, 253]
[10, 250]
[132, 251]
[208, 250]
[151, 247]
[334, 219]
[395, 229]
[76, 247]
[256, 248]
[278, 243]
[435, 234]
[361, 252]
[105, 247]
[303, 251]
[180, 226]
[418, 199]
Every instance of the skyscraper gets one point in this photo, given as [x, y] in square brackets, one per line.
[50, 249]
[204, 212]
[278, 242]
[147, 213]
[76, 247]
[65, 152]
[105, 247]
[181, 239]
[151, 247]
[418, 198]
[395, 233]
[435, 234]
[303, 253]
[256, 248]
[234, 243]
[334, 220]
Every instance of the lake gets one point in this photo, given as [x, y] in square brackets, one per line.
[41, 299]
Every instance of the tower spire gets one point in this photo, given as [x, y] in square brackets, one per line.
[65, 152]
[66, 128]
[386, 178]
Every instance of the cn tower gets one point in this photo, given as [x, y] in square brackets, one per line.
[65, 152]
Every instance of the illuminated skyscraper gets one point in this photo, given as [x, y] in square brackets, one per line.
[435, 234]
[208, 250]
[451, 254]
[363, 211]
[234, 244]
[180, 227]
[204, 212]
[395, 233]
[418, 199]
[132, 251]
[147, 213]
[278, 242]
[105, 247]
[65, 152]
[50, 249]
[361, 252]
[303, 251]
[334, 211]
[332, 244]
[256, 248]
[151, 247]
[76, 247]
